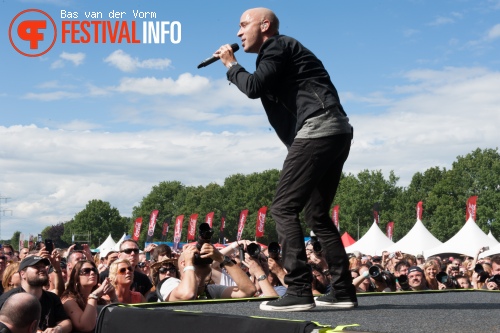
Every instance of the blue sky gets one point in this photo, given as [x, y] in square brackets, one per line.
[418, 79]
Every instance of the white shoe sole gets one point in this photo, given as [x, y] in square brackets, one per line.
[341, 305]
[301, 307]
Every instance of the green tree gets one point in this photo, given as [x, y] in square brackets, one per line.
[168, 199]
[357, 195]
[477, 173]
[55, 233]
[14, 241]
[420, 188]
[98, 219]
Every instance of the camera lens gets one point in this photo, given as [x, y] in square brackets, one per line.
[253, 250]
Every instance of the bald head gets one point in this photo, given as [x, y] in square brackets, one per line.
[20, 311]
[256, 26]
[264, 14]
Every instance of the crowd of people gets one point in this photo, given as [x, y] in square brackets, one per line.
[404, 272]
[70, 285]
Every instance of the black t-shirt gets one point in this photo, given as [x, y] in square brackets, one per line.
[141, 283]
[52, 309]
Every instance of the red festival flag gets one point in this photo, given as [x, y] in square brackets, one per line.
[137, 229]
[261, 221]
[192, 226]
[390, 230]
[152, 225]
[470, 212]
[335, 216]
[420, 210]
[178, 229]
[209, 218]
[241, 224]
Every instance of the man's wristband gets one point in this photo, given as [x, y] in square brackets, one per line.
[188, 268]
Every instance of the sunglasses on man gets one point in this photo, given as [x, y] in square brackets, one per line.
[129, 251]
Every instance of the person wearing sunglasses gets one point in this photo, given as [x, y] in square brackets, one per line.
[160, 272]
[83, 294]
[121, 275]
[129, 250]
[195, 278]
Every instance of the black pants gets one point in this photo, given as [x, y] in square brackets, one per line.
[309, 180]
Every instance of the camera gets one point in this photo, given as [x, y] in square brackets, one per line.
[448, 281]
[49, 246]
[205, 233]
[481, 273]
[317, 248]
[403, 282]
[381, 276]
[274, 250]
[253, 250]
[495, 278]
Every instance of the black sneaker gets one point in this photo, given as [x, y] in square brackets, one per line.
[344, 299]
[289, 303]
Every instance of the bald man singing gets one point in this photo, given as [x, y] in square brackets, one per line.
[303, 106]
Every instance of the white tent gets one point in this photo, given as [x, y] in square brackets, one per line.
[416, 241]
[107, 245]
[117, 246]
[490, 235]
[372, 243]
[467, 240]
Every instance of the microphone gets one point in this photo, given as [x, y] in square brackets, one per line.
[211, 60]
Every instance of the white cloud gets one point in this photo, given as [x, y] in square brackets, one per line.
[75, 58]
[51, 174]
[186, 84]
[126, 63]
[494, 32]
[51, 96]
[441, 20]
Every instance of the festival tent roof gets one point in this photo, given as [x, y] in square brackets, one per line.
[467, 240]
[372, 243]
[117, 246]
[347, 240]
[490, 235]
[108, 244]
[416, 241]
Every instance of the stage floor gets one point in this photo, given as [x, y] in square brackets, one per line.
[434, 311]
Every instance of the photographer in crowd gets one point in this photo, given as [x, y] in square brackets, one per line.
[195, 280]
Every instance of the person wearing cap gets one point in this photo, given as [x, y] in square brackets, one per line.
[20, 314]
[33, 272]
[416, 279]
[420, 259]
